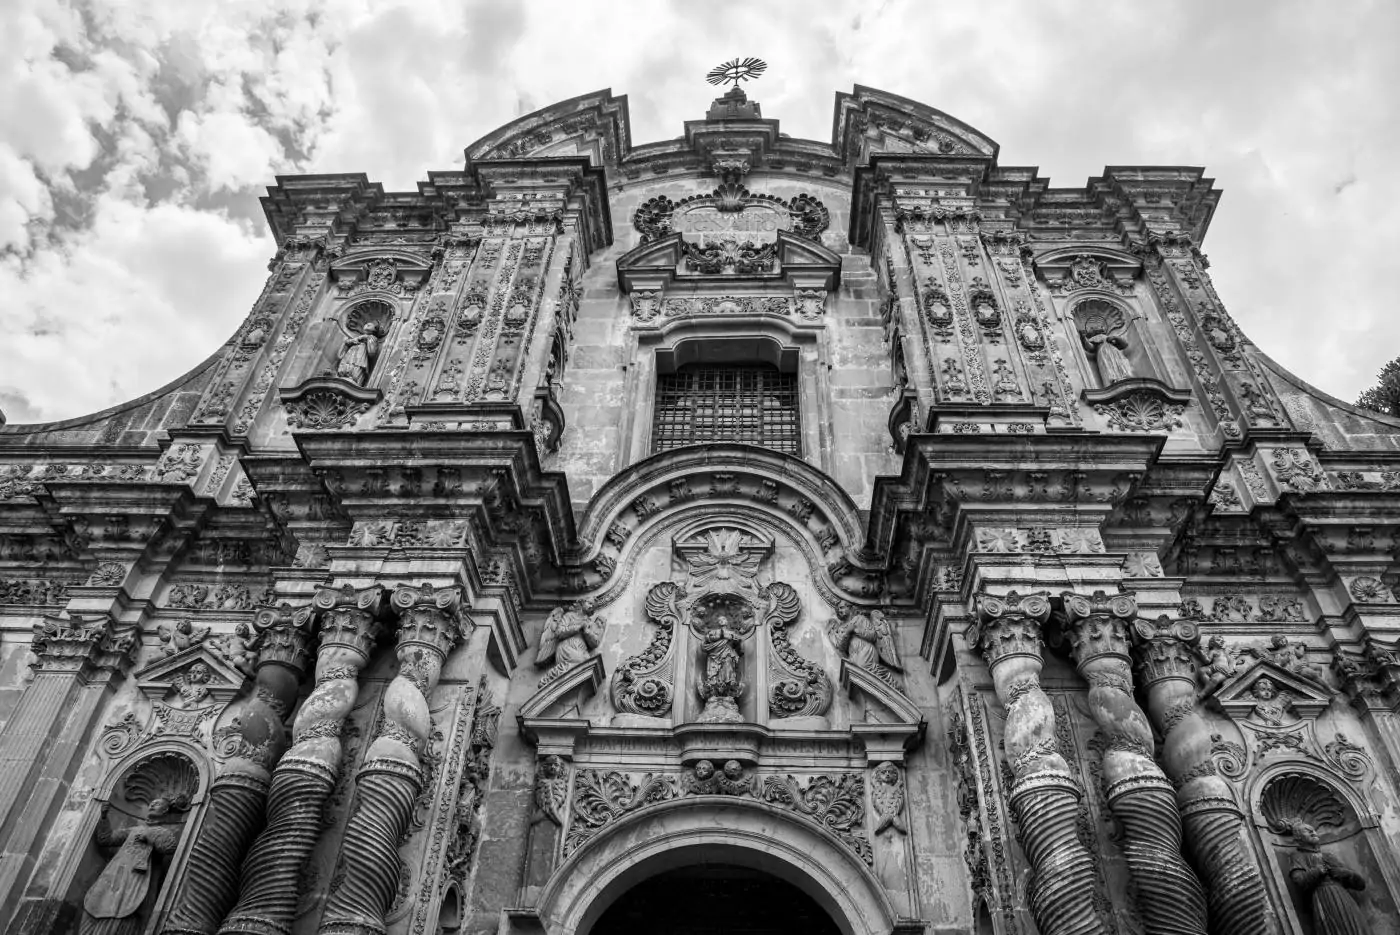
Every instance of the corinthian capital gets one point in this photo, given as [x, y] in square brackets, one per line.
[1097, 625]
[284, 635]
[82, 646]
[1010, 625]
[429, 616]
[348, 617]
[1166, 649]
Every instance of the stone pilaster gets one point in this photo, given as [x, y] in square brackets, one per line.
[78, 660]
[1043, 797]
[392, 775]
[238, 796]
[306, 775]
[1169, 895]
[1213, 824]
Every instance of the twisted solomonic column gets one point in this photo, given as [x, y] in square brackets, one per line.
[392, 775]
[250, 746]
[304, 778]
[1213, 824]
[1043, 797]
[1168, 894]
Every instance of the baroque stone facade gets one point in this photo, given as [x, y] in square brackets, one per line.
[857, 536]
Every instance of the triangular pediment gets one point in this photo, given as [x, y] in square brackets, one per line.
[1309, 698]
[561, 696]
[893, 723]
[166, 675]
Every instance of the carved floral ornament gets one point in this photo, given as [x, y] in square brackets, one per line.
[327, 403]
[384, 275]
[746, 216]
[804, 306]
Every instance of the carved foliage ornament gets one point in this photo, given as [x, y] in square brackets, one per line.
[1142, 411]
[324, 409]
[836, 802]
[805, 215]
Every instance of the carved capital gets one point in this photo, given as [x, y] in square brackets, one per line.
[1165, 649]
[82, 646]
[429, 617]
[1010, 625]
[348, 618]
[1097, 625]
[284, 635]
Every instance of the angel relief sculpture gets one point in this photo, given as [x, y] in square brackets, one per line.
[868, 641]
[570, 636]
[177, 637]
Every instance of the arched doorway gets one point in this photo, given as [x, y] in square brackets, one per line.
[727, 832]
[715, 899]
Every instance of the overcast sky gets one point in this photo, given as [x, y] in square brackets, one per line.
[135, 138]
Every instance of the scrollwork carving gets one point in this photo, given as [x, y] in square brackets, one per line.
[799, 686]
[644, 684]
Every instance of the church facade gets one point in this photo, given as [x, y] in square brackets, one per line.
[736, 532]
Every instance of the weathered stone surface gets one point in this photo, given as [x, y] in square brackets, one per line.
[989, 509]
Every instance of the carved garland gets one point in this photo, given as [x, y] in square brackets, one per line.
[836, 801]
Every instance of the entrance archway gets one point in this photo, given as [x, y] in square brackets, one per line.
[742, 835]
[715, 899]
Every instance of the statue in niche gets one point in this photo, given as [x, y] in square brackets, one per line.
[867, 640]
[120, 901]
[358, 353]
[721, 640]
[570, 636]
[1326, 880]
[1106, 346]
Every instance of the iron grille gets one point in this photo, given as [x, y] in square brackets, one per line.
[751, 404]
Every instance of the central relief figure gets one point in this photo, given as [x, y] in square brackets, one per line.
[725, 579]
[714, 616]
[722, 640]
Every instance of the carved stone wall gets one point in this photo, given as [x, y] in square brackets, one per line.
[1071, 613]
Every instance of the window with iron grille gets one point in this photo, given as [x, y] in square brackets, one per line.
[753, 404]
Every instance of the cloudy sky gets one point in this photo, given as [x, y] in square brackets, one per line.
[136, 136]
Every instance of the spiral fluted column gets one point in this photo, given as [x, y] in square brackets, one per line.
[1213, 824]
[251, 746]
[1043, 795]
[306, 775]
[1169, 896]
[392, 774]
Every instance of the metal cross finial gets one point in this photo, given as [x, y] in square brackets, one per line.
[745, 69]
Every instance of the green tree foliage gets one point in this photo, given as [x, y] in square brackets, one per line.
[1384, 397]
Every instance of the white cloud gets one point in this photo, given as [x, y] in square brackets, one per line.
[122, 123]
[142, 297]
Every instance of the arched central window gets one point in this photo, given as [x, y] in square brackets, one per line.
[704, 403]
